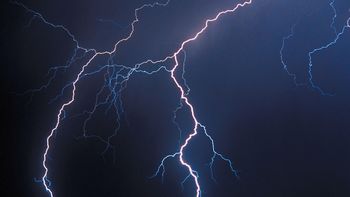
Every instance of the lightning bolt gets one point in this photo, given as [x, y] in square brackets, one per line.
[315, 51]
[326, 46]
[284, 64]
[44, 179]
[116, 77]
[183, 90]
[185, 99]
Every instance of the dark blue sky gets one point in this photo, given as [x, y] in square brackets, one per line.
[284, 140]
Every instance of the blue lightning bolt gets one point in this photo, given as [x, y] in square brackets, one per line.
[285, 66]
[61, 112]
[52, 72]
[315, 51]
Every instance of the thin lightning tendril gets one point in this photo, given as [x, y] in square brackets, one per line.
[285, 66]
[315, 51]
[326, 46]
[45, 181]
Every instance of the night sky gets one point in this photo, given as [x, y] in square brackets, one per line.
[284, 140]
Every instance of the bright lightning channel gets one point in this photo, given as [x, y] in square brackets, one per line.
[44, 179]
[185, 99]
[184, 91]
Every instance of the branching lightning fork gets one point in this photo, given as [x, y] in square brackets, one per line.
[116, 82]
[116, 77]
